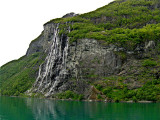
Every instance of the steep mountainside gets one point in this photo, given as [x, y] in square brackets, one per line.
[112, 54]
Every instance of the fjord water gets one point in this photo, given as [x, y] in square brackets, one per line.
[14, 108]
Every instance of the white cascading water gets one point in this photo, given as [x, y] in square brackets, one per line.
[53, 70]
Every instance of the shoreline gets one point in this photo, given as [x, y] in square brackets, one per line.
[142, 101]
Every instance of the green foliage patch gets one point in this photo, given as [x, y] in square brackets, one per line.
[149, 63]
[150, 91]
[18, 76]
[69, 95]
[124, 23]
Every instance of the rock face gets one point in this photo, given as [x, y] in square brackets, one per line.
[72, 66]
[72, 14]
[53, 71]
[44, 41]
[89, 57]
[69, 66]
[36, 45]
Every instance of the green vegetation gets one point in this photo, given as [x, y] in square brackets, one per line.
[124, 37]
[139, 81]
[18, 76]
[69, 95]
[122, 88]
[149, 63]
[124, 23]
[149, 91]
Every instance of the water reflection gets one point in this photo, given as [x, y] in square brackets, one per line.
[66, 110]
[76, 110]
[12, 108]
[43, 109]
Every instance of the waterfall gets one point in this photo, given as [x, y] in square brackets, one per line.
[53, 71]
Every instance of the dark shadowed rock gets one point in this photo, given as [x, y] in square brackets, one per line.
[72, 14]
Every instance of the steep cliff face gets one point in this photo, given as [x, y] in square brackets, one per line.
[68, 66]
[43, 41]
[73, 66]
[79, 65]
[53, 71]
[99, 55]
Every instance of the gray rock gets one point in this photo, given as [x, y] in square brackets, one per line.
[72, 14]
[149, 45]
[68, 66]
[72, 66]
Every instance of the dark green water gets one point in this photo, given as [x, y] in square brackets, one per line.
[12, 108]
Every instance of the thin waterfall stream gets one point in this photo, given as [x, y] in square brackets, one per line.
[53, 70]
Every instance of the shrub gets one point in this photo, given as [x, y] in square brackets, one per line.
[134, 99]
[149, 63]
[99, 96]
[80, 97]
[116, 100]
[107, 90]
[99, 87]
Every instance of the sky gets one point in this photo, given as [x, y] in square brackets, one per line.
[21, 21]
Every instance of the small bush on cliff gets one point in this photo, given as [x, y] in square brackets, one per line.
[149, 63]
[99, 96]
[116, 99]
[134, 99]
[99, 87]
[107, 90]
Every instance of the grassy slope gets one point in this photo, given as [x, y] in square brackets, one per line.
[17, 76]
[119, 22]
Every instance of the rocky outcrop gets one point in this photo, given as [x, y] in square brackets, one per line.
[44, 41]
[71, 65]
[53, 71]
[36, 45]
[72, 14]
